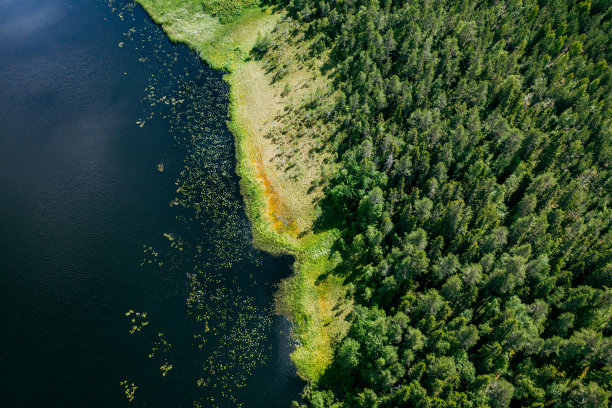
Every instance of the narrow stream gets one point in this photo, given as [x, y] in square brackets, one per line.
[126, 264]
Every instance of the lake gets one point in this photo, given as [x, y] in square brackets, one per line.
[126, 263]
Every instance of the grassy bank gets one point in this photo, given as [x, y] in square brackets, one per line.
[280, 172]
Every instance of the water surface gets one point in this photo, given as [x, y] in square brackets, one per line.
[118, 196]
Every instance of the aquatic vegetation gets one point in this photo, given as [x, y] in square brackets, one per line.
[210, 249]
[232, 329]
[129, 389]
[161, 347]
[165, 368]
[150, 256]
[137, 320]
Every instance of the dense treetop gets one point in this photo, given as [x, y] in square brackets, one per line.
[474, 140]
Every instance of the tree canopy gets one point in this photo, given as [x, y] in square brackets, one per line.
[474, 141]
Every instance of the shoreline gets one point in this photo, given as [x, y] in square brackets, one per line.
[308, 302]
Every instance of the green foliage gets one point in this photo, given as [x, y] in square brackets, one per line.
[262, 44]
[473, 194]
[226, 10]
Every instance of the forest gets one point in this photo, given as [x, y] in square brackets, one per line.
[473, 142]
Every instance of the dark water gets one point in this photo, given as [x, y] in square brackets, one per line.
[103, 221]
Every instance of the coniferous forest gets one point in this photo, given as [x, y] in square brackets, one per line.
[474, 141]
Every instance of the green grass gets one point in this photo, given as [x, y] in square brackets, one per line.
[316, 300]
[221, 45]
[227, 10]
[223, 33]
[264, 237]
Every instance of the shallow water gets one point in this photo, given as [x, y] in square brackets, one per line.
[119, 201]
